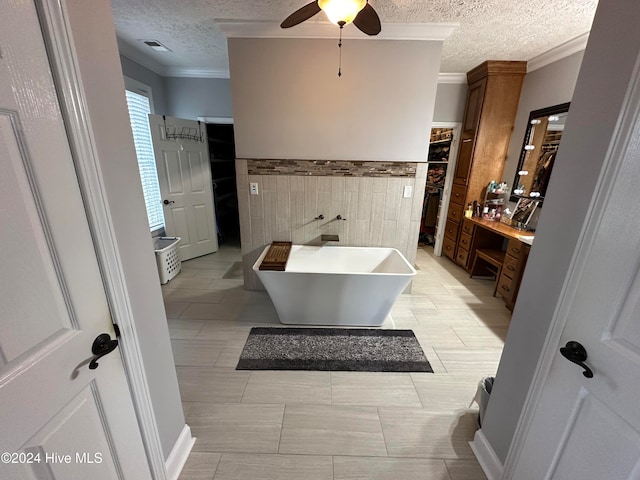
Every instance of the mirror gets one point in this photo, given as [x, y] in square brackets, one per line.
[541, 141]
[521, 216]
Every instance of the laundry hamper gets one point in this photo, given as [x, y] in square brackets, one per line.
[167, 257]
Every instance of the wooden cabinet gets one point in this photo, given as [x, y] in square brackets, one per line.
[463, 165]
[512, 270]
[477, 233]
[492, 104]
[465, 244]
[458, 193]
[475, 98]
[454, 219]
[449, 247]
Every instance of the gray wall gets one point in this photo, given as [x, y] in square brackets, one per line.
[450, 102]
[95, 43]
[547, 86]
[188, 98]
[191, 98]
[137, 72]
[289, 102]
[606, 72]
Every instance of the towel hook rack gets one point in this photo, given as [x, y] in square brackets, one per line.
[186, 133]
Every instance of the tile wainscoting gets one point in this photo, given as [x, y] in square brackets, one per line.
[291, 194]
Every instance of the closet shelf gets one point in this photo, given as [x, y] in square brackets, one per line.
[438, 142]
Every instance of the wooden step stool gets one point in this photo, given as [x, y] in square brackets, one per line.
[492, 260]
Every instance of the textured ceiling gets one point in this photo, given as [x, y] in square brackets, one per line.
[489, 29]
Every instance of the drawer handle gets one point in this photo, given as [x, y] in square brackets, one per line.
[464, 241]
[515, 250]
[511, 267]
[505, 288]
[466, 140]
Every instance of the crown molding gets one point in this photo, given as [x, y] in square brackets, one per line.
[450, 78]
[198, 72]
[145, 61]
[456, 78]
[390, 31]
[563, 50]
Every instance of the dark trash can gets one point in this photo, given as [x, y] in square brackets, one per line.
[482, 396]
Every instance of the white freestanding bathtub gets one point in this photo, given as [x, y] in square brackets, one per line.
[337, 285]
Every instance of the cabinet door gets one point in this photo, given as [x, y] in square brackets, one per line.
[463, 165]
[475, 96]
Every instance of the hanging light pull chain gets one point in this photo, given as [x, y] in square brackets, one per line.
[342, 24]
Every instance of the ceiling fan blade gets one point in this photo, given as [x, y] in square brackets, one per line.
[368, 21]
[300, 15]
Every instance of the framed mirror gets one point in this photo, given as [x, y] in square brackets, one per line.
[541, 141]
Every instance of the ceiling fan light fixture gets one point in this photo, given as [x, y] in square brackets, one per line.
[342, 12]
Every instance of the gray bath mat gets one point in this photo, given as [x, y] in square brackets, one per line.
[343, 349]
[234, 272]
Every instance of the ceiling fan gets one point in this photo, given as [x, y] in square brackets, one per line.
[340, 12]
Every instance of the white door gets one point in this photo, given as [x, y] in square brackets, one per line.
[184, 175]
[589, 428]
[58, 418]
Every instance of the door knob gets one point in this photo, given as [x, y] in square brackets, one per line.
[576, 353]
[101, 346]
[168, 202]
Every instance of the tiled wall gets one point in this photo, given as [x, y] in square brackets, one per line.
[286, 207]
[331, 168]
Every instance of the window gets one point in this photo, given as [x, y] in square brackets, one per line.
[139, 109]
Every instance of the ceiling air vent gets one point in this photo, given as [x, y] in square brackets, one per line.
[155, 45]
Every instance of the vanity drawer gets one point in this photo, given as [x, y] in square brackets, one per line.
[505, 287]
[451, 230]
[455, 213]
[462, 256]
[465, 241]
[467, 227]
[514, 248]
[510, 266]
[449, 248]
[458, 192]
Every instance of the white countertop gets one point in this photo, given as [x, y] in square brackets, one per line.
[528, 239]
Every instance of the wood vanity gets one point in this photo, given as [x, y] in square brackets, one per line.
[485, 234]
[492, 104]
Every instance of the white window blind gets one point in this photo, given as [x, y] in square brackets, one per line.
[139, 110]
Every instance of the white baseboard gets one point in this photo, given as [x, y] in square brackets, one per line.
[179, 453]
[487, 458]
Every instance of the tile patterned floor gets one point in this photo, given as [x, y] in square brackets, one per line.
[332, 425]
